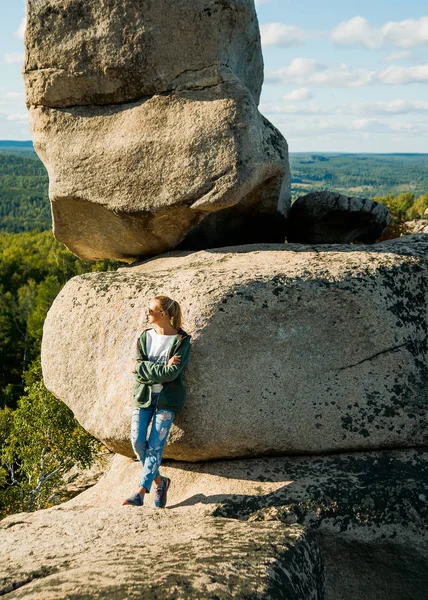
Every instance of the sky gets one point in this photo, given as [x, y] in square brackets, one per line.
[340, 76]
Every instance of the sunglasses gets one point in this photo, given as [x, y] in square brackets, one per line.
[150, 311]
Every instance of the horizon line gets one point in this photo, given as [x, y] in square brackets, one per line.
[29, 143]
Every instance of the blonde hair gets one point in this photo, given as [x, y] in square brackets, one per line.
[172, 309]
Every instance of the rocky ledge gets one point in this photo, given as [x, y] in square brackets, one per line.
[307, 528]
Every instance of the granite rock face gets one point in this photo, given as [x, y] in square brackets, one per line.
[122, 51]
[135, 181]
[332, 218]
[298, 528]
[417, 226]
[300, 349]
[127, 555]
[146, 119]
[366, 512]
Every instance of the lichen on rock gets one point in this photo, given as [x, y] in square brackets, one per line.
[327, 345]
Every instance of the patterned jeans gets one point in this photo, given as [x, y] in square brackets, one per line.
[149, 451]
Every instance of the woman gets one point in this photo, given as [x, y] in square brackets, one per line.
[162, 353]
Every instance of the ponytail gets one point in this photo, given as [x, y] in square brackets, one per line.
[172, 309]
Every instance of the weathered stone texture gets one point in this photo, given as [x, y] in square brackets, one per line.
[417, 226]
[296, 349]
[146, 119]
[332, 218]
[132, 180]
[119, 51]
[366, 511]
[300, 528]
[142, 554]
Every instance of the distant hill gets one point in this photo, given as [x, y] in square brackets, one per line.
[359, 174]
[15, 144]
[15, 147]
[24, 202]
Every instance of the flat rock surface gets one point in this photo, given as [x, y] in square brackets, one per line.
[417, 226]
[128, 552]
[296, 349]
[255, 528]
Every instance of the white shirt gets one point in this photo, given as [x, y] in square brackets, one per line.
[157, 348]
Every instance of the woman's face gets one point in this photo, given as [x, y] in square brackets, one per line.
[154, 312]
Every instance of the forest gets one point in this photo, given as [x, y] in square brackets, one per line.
[24, 203]
[364, 175]
[39, 438]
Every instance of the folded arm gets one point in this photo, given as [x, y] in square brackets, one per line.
[150, 372]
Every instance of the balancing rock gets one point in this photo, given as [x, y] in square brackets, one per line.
[145, 116]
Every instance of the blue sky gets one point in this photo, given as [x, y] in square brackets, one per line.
[339, 76]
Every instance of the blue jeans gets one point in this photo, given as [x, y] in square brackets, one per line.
[149, 451]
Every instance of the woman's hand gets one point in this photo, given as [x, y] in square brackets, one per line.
[133, 368]
[174, 360]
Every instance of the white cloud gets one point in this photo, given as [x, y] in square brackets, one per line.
[20, 32]
[303, 67]
[17, 117]
[313, 127]
[356, 31]
[14, 129]
[389, 108]
[410, 127]
[13, 57]
[404, 34]
[307, 71]
[372, 125]
[396, 56]
[14, 99]
[395, 75]
[392, 107]
[408, 33]
[279, 34]
[299, 95]
[343, 76]
[290, 109]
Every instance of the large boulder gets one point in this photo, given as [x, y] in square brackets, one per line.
[332, 218]
[296, 349]
[146, 119]
[135, 180]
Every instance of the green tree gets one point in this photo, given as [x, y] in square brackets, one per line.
[417, 210]
[398, 206]
[41, 441]
[47, 291]
[33, 268]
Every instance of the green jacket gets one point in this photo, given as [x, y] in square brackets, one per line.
[172, 395]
